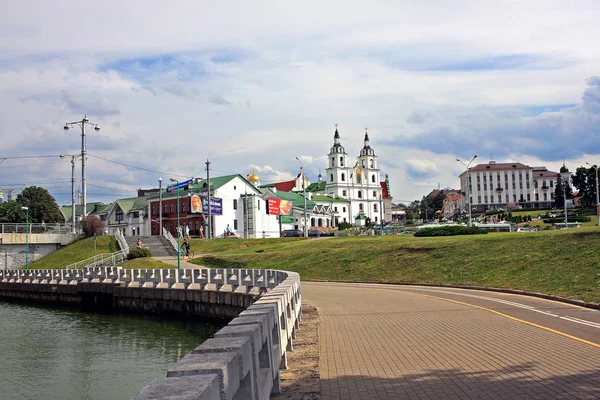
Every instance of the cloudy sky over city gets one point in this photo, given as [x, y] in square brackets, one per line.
[253, 85]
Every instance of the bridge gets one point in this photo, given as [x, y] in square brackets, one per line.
[42, 241]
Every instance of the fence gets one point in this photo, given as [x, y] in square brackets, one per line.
[171, 239]
[36, 228]
[122, 242]
[100, 260]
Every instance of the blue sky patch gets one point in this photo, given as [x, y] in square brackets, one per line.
[142, 69]
[504, 62]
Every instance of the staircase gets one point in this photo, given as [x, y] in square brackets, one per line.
[158, 245]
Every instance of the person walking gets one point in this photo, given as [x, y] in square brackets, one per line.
[43, 226]
[187, 231]
[228, 231]
[201, 232]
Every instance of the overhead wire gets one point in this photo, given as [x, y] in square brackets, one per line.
[136, 167]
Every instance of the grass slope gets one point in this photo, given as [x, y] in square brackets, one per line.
[80, 250]
[145, 263]
[564, 262]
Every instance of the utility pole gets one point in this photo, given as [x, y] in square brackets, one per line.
[305, 229]
[209, 234]
[82, 124]
[468, 186]
[381, 212]
[597, 195]
[73, 158]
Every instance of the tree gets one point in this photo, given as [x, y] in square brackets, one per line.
[92, 225]
[42, 206]
[10, 212]
[560, 190]
[413, 210]
[584, 180]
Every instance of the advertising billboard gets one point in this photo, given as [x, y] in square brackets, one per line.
[199, 205]
[277, 206]
[180, 185]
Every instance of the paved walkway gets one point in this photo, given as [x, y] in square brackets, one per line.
[391, 342]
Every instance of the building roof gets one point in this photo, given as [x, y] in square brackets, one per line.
[286, 186]
[133, 203]
[329, 199]
[498, 166]
[384, 190]
[296, 199]
[202, 186]
[435, 192]
[316, 186]
[91, 208]
[544, 174]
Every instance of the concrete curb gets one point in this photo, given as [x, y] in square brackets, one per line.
[595, 306]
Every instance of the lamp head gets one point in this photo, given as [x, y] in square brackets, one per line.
[96, 128]
[458, 159]
[160, 179]
[66, 127]
[24, 208]
[62, 155]
[475, 156]
[173, 180]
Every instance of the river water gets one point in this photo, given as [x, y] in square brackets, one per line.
[60, 354]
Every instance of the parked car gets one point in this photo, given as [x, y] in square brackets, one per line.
[315, 233]
[292, 233]
[523, 229]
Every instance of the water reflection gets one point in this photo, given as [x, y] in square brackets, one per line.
[62, 354]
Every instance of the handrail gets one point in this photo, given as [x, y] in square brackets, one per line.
[35, 228]
[171, 239]
[122, 242]
[104, 259]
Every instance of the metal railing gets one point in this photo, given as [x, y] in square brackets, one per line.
[36, 228]
[171, 239]
[104, 259]
[122, 242]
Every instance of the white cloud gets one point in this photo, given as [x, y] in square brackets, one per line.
[262, 83]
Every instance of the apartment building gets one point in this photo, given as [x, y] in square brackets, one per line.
[495, 185]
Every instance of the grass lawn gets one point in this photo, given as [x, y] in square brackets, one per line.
[562, 262]
[80, 250]
[145, 263]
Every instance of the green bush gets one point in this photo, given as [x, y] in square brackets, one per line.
[139, 253]
[570, 218]
[113, 245]
[450, 230]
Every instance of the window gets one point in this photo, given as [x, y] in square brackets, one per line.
[235, 224]
[491, 186]
[545, 196]
[552, 197]
[343, 177]
[552, 184]
[537, 197]
[485, 199]
[478, 187]
[527, 176]
[344, 193]
[341, 161]
[197, 225]
[183, 206]
[520, 185]
[153, 209]
[363, 163]
[333, 161]
[527, 184]
[478, 179]
[499, 198]
[373, 178]
[360, 194]
[335, 209]
[514, 198]
[478, 199]
[514, 184]
[166, 208]
[528, 197]
[235, 204]
[119, 215]
[375, 207]
[172, 208]
[360, 206]
[344, 209]
[485, 187]
[498, 177]
[331, 177]
[535, 184]
[375, 193]
[485, 178]
[371, 163]
[234, 187]
[258, 202]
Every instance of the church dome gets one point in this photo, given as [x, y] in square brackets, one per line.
[253, 177]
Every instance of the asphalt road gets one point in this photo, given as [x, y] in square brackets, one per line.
[395, 342]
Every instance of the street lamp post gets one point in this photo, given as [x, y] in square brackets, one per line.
[82, 124]
[305, 229]
[597, 196]
[468, 185]
[26, 209]
[160, 210]
[73, 158]
[178, 227]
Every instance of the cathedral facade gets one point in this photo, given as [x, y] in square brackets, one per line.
[355, 179]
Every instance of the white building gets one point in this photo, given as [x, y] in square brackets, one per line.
[495, 185]
[356, 180]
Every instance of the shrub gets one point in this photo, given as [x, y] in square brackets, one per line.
[450, 230]
[570, 218]
[113, 245]
[139, 253]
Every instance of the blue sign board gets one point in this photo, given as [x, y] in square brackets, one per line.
[180, 185]
[216, 205]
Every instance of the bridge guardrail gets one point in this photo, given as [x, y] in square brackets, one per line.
[35, 228]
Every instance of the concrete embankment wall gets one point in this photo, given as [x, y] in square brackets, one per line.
[13, 249]
[242, 361]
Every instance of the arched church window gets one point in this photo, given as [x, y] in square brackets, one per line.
[341, 161]
[343, 177]
[375, 207]
[331, 177]
[333, 161]
[373, 178]
[360, 206]
[360, 194]
[371, 162]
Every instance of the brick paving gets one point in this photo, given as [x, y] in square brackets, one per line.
[378, 344]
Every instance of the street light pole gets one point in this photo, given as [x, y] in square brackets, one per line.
[73, 158]
[597, 196]
[160, 211]
[468, 185]
[178, 227]
[82, 124]
[26, 209]
[305, 229]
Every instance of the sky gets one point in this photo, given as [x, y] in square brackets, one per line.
[250, 86]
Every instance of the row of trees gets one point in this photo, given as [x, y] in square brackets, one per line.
[41, 204]
[584, 179]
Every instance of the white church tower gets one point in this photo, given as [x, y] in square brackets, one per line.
[358, 182]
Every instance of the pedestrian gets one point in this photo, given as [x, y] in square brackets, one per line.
[43, 226]
[187, 231]
[201, 232]
[139, 244]
[228, 231]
